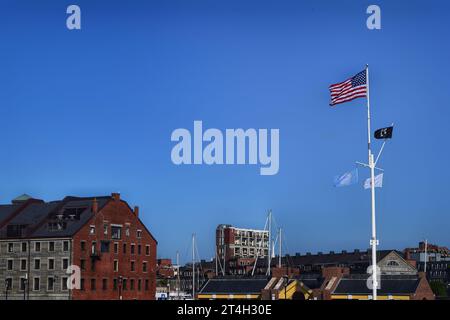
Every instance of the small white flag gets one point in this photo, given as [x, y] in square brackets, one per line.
[378, 182]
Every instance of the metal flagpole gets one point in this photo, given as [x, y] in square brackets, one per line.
[373, 241]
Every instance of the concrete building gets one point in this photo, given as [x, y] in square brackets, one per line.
[237, 248]
[40, 242]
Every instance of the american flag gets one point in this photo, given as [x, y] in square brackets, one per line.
[355, 87]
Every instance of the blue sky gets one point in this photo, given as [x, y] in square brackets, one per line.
[91, 112]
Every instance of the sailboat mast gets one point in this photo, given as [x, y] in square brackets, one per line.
[193, 266]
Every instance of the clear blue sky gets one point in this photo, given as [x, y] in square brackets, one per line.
[91, 112]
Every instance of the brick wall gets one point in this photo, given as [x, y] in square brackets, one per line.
[110, 267]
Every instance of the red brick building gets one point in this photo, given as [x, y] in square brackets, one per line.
[103, 236]
[116, 254]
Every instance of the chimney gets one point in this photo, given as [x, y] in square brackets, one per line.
[136, 211]
[94, 206]
[115, 196]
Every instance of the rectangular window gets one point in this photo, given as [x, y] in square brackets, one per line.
[92, 266]
[82, 285]
[93, 285]
[133, 267]
[124, 284]
[50, 283]
[37, 246]
[124, 248]
[132, 248]
[64, 283]
[146, 284]
[82, 264]
[116, 266]
[144, 266]
[131, 284]
[8, 284]
[65, 263]
[36, 284]
[139, 284]
[147, 250]
[24, 247]
[105, 284]
[116, 232]
[105, 229]
[51, 246]
[139, 249]
[114, 284]
[10, 264]
[37, 264]
[139, 234]
[94, 247]
[23, 264]
[66, 246]
[23, 282]
[116, 248]
[83, 245]
[51, 264]
[92, 230]
[10, 247]
[104, 246]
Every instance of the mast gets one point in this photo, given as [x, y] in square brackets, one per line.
[269, 255]
[279, 248]
[193, 266]
[178, 275]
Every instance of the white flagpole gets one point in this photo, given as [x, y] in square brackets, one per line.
[373, 240]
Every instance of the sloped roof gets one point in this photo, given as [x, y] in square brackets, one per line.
[234, 286]
[390, 285]
[336, 258]
[36, 215]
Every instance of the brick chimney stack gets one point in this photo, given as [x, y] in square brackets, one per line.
[136, 211]
[94, 206]
[115, 196]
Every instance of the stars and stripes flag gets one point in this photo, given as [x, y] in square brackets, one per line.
[355, 87]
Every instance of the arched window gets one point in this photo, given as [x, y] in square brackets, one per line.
[393, 263]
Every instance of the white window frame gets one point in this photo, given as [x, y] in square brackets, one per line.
[51, 290]
[34, 282]
[34, 263]
[26, 265]
[12, 264]
[54, 246]
[62, 286]
[116, 261]
[62, 263]
[68, 246]
[146, 263]
[48, 263]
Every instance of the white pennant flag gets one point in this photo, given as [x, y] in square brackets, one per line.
[378, 182]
